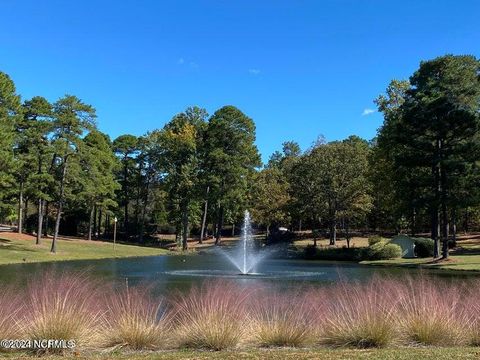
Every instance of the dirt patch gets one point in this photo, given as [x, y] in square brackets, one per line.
[9, 235]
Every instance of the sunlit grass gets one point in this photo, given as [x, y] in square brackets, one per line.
[210, 317]
[135, 320]
[25, 251]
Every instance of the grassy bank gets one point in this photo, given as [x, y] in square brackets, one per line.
[465, 257]
[469, 262]
[277, 354]
[23, 250]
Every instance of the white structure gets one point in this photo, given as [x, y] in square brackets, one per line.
[406, 243]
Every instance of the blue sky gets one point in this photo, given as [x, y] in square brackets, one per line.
[298, 68]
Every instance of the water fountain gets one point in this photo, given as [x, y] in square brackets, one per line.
[243, 260]
[244, 257]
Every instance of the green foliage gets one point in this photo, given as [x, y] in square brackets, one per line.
[230, 157]
[271, 194]
[430, 138]
[372, 240]
[312, 252]
[423, 247]
[382, 250]
[9, 115]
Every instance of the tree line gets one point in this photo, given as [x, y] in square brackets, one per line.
[200, 171]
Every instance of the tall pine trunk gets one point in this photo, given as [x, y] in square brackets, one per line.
[20, 210]
[347, 234]
[454, 228]
[99, 226]
[125, 194]
[185, 227]
[39, 222]
[204, 219]
[443, 182]
[53, 249]
[45, 229]
[91, 221]
[218, 238]
[94, 220]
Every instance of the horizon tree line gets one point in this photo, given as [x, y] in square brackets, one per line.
[60, 175]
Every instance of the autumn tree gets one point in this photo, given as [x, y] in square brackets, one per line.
[271, 197]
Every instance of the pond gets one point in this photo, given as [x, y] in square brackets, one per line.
[178, 272]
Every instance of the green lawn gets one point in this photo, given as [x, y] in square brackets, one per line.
[277, 354]
[466, 257]
[20, 251]
[457, 262]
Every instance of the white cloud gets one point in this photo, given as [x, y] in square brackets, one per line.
[193, 65]
[181, 61]
[368, 112]
[254, 71]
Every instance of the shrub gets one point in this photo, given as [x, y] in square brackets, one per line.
[339, 254]
[62, 307]
[383, 251]
[375, 239]
[281, 319]
[423, 247]
[360, 316]
[210, 317]
[390, 251]
[135, 321]
[310, 252]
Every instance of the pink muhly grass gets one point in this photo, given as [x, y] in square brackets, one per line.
[11, 307]
[432, 313]
[134, 320]
[211, 316]
[360, 315]
[62, 307]
[282, 319]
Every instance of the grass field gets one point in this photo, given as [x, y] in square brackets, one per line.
[277, 354]
[22, 249]
[465, 257]
[469, 262]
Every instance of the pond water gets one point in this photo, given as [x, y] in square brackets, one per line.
[179, 272]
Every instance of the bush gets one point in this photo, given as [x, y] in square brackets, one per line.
[423, 247]
[382, 250]
[390, 251]
[372, 240]
[337, 254]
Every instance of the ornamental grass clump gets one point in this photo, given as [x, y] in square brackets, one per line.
[362, 316]
[433, 313]
[471, 308]
[136, 321]
[11, 307]
[62, 307]
[282, 319]
[211, 316]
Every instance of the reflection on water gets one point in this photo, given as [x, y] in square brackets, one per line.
[179, 272]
